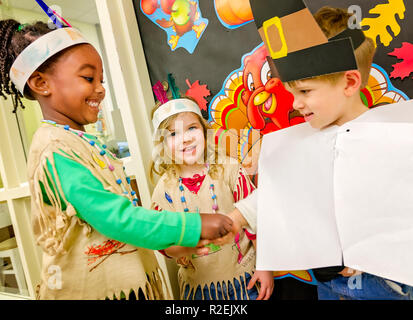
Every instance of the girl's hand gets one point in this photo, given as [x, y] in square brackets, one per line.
[266, 280]
[178, 251]
[215, 226]
[229, 238]
[238, 223]
[200, 248]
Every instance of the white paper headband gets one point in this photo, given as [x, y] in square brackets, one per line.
[173, 107]
[40, 50]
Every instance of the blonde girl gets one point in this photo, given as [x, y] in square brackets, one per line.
[196, 177]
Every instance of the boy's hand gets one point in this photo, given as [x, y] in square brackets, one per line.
[266, 280]
[215, 226]
[239, 220]
[348, 272]
[238, 223]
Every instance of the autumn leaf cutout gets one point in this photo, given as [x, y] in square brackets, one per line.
[386, 18]
[97, 254]
[405, 68]
[198, 92]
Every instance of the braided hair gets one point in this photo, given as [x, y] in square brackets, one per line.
[14, 38]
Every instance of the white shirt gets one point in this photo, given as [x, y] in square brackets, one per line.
[341, 194]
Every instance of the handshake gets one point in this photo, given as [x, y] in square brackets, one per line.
[217, 229]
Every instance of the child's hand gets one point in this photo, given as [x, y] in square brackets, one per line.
[229, 238]
[238, 223]
[239, 220]
[266, 280]
[200, 248]
[215, 226]
[178, 251]
[348, 272]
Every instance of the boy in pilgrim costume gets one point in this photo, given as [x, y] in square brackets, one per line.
[94, 237]
[336, 190]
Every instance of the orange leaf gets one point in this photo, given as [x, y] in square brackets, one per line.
[198, 92]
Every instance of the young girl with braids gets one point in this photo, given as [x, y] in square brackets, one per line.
[84, 211]
[191, 180]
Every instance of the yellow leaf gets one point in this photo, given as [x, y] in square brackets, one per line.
[303, 274]
[387, 18]
[98, 161]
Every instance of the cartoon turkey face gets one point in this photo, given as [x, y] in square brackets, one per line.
[259, 84]
[269, 104]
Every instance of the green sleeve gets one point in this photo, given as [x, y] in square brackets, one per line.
[115, 216]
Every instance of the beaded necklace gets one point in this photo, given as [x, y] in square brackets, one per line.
[211, 190]
[213, 248]
[126, 188]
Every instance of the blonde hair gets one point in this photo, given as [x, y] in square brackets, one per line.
[333, 21]
[161, 164]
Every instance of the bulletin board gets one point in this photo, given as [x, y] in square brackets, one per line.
[210, 47]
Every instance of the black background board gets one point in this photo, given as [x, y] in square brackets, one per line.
[217, 54]
[220, 49]
[381, 58]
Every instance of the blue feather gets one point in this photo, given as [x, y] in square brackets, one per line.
[168, 197]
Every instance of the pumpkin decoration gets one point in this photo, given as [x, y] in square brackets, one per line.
[234, 13]
[149, 6]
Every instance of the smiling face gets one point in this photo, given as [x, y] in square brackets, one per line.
[75, 87]
[321, 102]
[256, 79]
[185, 139]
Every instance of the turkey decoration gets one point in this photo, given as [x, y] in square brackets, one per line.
[180, 19]
[380, 90]
[251, 104]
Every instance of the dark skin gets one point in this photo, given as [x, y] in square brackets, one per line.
[70, 92]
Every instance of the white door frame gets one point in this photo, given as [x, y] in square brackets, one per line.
[16, 193]
[133, 91]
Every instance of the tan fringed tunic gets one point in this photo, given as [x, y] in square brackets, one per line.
[221, 266]
[71, 183]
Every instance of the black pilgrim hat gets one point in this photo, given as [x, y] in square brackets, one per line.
[297, 45]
